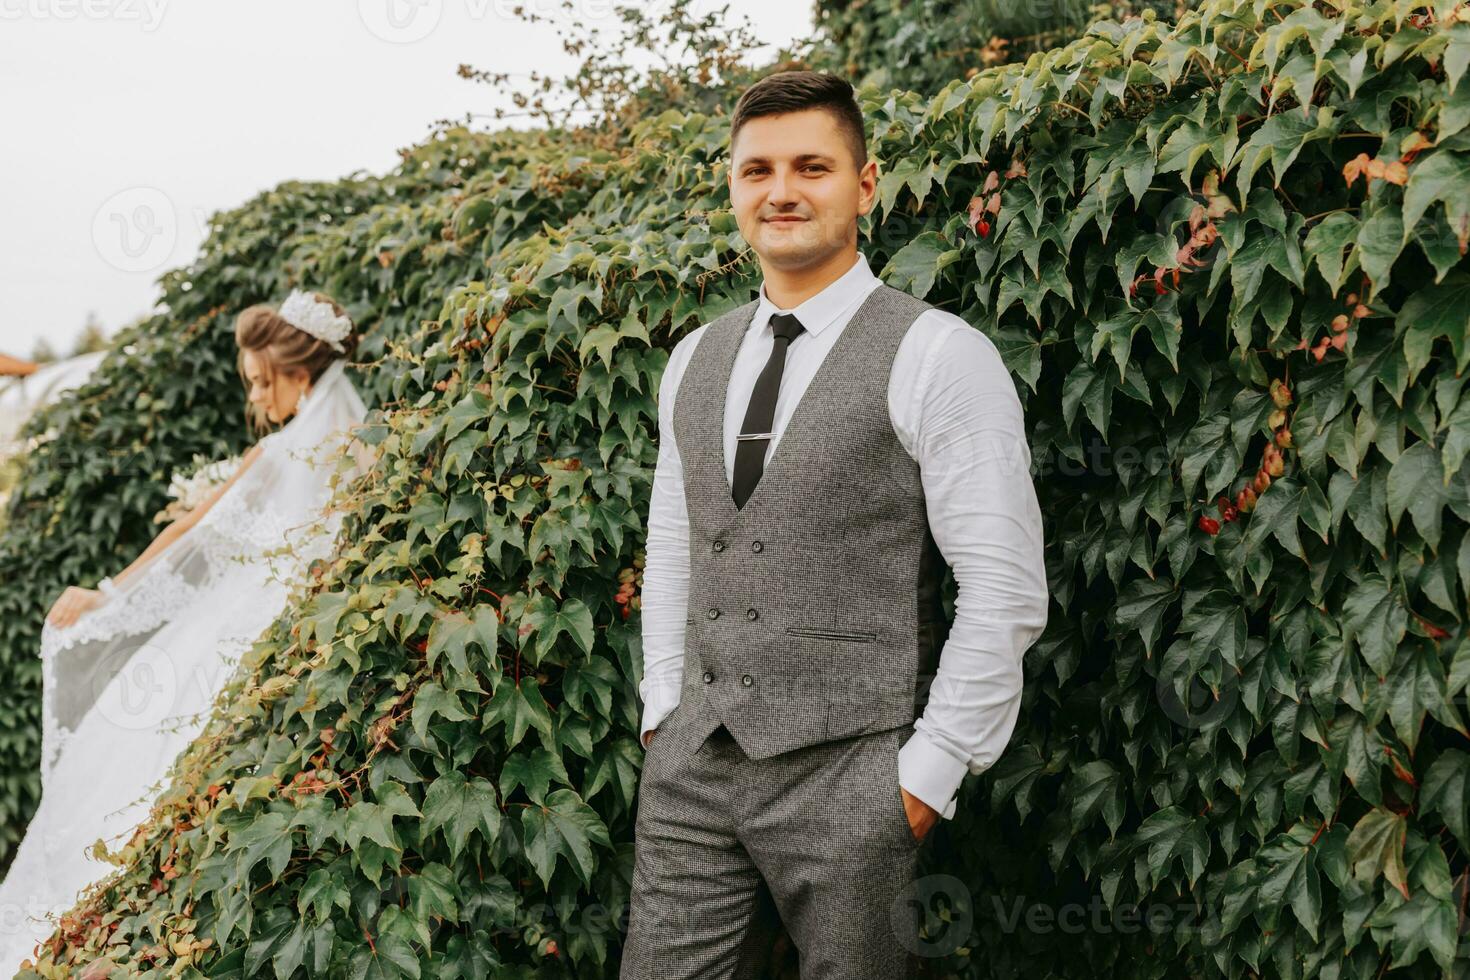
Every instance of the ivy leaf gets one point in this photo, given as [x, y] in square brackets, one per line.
[427, 517]
[566, 301]
[1417, 687]
[557, 532]
[1116, 333]
[563, 827]
[1171, 833]
[1277, 513]
[1216, 625]
[472, 408]
[1325, 243]
[1239, 899]
[1380, 240]
[266, 838]
[370, 821]
[452, 634]
[1439, 176]
[534, 771]
[1291, 877]
[433, 893]
[291, 952]
[1166, 328]
[1020, 351]
[1141, 606]
[1185, 145]
[519, 707]
[914, 267]
[1434, 311]
[327, 610]
[1374, 617]
[461, 806]
[595, 680]
[432, 700]
[1416, 483]
[603, 339]
[274, 932]
[406, 610]
[1446, 791]
[1095, 787]
[1363, 757]
[616, 766]
[1093, 390]
[323, 890]
[1367, 506]
[1280, 138]
[1423, 922]
[1209, 448]
[390, 956]
[548, 620]
[1376, 847]
[1015, 779]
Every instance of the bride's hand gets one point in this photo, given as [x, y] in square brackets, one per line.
[73, 602]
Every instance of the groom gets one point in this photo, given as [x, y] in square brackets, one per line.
[832, 444]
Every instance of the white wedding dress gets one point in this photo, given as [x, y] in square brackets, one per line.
[129, 684]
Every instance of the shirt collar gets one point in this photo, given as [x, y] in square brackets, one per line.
[819, 311]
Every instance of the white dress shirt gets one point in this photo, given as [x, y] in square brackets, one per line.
[956, 411]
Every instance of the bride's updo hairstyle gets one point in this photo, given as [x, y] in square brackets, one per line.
[283, 348]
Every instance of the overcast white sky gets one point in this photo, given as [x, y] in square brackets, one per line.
[127, 122]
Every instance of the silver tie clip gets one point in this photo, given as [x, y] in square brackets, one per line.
[754, 435]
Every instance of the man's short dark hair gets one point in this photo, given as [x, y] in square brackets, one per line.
[793, 91]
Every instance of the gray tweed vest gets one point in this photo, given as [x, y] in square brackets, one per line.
[814, 610]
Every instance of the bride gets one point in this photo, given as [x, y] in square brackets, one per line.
[127, 668]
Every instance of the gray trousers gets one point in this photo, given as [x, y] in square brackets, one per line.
[819, 831]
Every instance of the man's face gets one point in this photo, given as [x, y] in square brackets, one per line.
[796, 190]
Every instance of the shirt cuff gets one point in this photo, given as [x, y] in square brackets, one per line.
[930, 772]
[655, 710]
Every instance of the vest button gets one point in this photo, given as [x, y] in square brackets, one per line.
[756, 546]
[709, 677]
[746, 680]
[752, 614]
[718, 546]
[714, 613]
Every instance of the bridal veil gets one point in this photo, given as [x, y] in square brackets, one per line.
[124, 684]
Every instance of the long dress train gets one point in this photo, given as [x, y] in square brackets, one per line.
[130, 683]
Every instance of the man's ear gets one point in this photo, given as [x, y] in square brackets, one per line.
[867, 186]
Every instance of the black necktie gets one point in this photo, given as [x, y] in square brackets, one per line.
[755, 431]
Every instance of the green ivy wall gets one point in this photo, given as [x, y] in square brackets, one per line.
[1224, 260]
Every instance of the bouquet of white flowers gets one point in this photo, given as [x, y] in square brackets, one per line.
[189, 487]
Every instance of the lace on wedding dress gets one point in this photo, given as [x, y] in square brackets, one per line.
[232, 533]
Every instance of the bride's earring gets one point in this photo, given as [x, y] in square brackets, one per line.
[301, 399]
